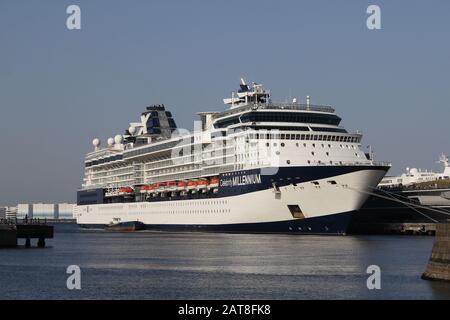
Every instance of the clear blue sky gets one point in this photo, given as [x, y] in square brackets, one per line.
[61, 88]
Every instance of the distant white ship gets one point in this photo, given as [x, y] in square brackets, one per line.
[257, 166]
[414, 175]
[415, 196]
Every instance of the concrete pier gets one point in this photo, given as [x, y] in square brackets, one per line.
[8, 236]
[438, 267]
[9, 233]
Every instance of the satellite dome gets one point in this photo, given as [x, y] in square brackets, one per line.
[96, 142]
[132, 130]
[118, 139]
[110, 142]
[413, 171]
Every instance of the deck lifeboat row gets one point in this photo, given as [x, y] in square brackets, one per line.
[197, 185]
[125, 191]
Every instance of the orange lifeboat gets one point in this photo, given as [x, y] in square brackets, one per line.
[202, 184]
[191, 185]
[160, 186]
[151, 188]
[126, 191]
[181, 185]
[214, 182]
[171, 186]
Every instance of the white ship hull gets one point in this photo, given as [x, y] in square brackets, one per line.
[325, 208]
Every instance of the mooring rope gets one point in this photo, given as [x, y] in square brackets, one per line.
[399, 201]
[408, 204]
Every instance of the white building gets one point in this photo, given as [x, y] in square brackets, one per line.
[44, 210]
[24, 210]
[2, 212]
[65, 211]
[11, 213]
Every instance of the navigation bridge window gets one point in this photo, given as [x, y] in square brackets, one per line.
[330, 119]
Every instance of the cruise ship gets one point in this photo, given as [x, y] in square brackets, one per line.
[257, 166]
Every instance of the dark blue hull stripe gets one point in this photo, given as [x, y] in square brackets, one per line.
[330, 224]
[233, 183]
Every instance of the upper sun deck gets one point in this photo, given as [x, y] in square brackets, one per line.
[294, 106]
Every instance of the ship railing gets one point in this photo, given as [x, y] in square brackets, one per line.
[352, 163]
[381, 163]
[279, 106]
[297, 106]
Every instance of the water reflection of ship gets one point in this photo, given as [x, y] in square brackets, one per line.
[416, 196]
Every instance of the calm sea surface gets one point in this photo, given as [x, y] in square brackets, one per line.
[160, 265]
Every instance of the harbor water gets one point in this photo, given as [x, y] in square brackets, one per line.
[167, 265]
